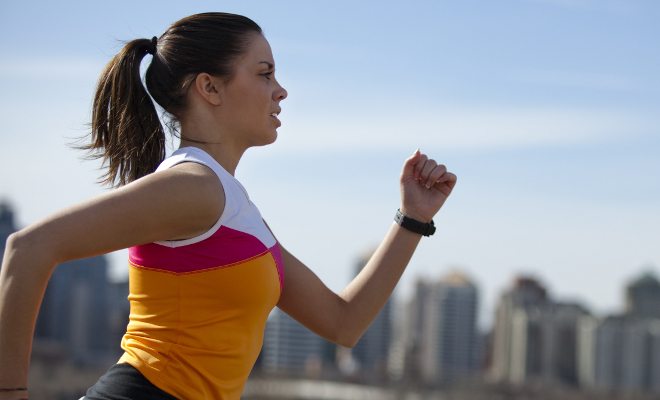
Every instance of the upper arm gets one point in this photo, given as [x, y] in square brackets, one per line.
[309, 301]
[180, 202]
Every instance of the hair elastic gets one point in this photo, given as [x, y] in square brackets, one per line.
[154, 42]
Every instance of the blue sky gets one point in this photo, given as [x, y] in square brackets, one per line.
[547, 110]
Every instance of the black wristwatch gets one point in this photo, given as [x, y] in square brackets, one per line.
[426, 229]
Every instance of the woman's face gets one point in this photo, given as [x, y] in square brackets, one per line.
[251, 100]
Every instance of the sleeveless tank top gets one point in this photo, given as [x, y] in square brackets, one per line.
[198, 307]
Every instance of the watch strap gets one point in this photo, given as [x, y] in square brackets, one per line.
[413, 225]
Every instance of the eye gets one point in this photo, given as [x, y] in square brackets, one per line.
[268, 75]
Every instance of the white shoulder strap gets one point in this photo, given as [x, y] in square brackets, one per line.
[196, 155]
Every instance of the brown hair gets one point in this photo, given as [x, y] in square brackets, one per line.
[125, 130]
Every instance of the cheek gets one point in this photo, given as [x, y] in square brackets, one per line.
[249, 105]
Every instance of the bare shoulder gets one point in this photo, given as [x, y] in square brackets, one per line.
[190, 181]
[188, 195]
[181, 202]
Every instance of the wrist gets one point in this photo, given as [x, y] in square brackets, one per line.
[414, 225]
[415, 215]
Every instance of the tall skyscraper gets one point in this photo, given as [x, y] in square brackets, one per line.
[535, 339]
[414, 320]
[643, 297]
[75, 311]
[372, 350]
[635, 361]
[654, 355]
[118, 315]
[441, 334]
[7, 225]
[449, 330]
[560, 332]
[289, 347]
[586, 353]
[620, 352]
[544, 344]
[511, 316]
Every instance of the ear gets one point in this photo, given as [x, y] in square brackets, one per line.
[209, 87]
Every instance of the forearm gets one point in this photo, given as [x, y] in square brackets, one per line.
[366, 295]
[23, 279]
[343, 318]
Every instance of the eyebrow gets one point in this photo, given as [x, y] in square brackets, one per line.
[270, 65]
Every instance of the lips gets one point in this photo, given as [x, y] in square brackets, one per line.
[274, 114]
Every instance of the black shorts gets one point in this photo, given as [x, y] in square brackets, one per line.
[124, 382]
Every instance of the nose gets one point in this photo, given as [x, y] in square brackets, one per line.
[281, 93]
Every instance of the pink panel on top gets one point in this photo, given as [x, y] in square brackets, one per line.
[225, 247]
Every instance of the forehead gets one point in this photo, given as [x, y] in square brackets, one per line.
[257, 50]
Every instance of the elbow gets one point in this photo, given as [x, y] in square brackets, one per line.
[348, 332]
[25, 246]
[14, 242]
[347, 336]
[24, 262]
[17, 244]
[12, 248]
[346, 341]
[20, 241]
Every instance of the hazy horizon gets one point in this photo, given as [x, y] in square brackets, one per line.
[545, 109]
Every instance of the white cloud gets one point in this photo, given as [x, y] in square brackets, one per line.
[621, 7]
[465, 128]
[598, 81]
[69, 68]
[566, 3]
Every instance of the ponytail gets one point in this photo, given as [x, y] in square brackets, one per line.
[126, 131]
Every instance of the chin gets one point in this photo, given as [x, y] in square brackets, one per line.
[266, 140]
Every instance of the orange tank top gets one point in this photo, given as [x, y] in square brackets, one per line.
[199, 306]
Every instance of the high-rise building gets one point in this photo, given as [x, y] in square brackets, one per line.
[7, 225]
[620, 352]
[75, 307]
[635, 363]
[449, 330]
[654, 355]
[289, 347]
[441, 334]
[586, 353]
[561, 333]
[544, 343]
[75, 310]
[371, 353]
[119, 310]
[511, 327]
[643, 297]
[414, 322]
[535, 339]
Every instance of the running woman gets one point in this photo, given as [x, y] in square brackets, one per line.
[204, 268]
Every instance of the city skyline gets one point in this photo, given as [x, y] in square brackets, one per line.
[485, 320]
[545, 109]
[536, 339]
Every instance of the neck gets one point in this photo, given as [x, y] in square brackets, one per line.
[203, 132]
[224, 153]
